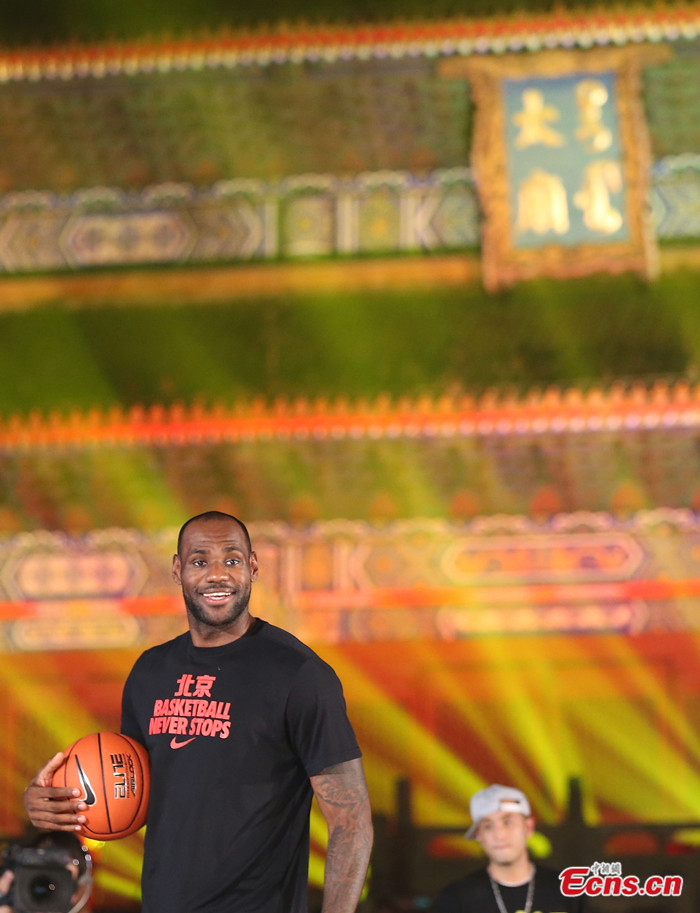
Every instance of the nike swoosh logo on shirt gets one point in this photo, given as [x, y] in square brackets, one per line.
[175, 744]
[90, 797]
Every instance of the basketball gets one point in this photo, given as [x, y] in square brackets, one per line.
[113, 775]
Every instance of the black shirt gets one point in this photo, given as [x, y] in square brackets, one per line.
[474, 894]
[233, 733]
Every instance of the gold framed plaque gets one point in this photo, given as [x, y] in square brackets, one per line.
[561, 162]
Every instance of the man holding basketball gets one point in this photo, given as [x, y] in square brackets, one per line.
[244, 725]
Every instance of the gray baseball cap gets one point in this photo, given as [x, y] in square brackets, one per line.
[496, 798]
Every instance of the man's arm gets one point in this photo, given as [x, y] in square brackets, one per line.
[342, 796]
[53, 808]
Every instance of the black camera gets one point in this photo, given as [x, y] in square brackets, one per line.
[42, 882]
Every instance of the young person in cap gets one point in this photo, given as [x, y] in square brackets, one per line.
[511, 882]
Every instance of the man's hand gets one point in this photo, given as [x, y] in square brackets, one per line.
[342, 796]
[6, 880]
[53, 808]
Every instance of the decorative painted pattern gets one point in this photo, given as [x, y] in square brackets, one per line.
[550, 453]
[308, 216]
[624, 24]
[343, 581]
[675, 197]
[552, 411]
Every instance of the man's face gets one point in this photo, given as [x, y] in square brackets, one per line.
[215, 569]
[504, 835]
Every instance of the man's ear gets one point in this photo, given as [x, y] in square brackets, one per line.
[530, 822]
[177, 567]
[253, 566]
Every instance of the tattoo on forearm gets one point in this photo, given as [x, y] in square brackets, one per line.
[342, 797]
[336, 791]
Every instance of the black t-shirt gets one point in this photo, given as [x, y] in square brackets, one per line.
[474, 894]
[233, 734]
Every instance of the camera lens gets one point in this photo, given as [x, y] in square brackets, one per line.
[41, 888]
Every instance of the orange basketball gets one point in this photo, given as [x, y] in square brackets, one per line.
[113, 775]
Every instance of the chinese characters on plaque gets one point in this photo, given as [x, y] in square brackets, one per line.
[561, 160]
[564, 160]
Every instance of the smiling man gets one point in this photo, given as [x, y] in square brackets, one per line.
[511, 882]
[215, 565]
[244, 724]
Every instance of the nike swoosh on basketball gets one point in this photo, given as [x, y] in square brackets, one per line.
[175, 744]
[90, 797]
